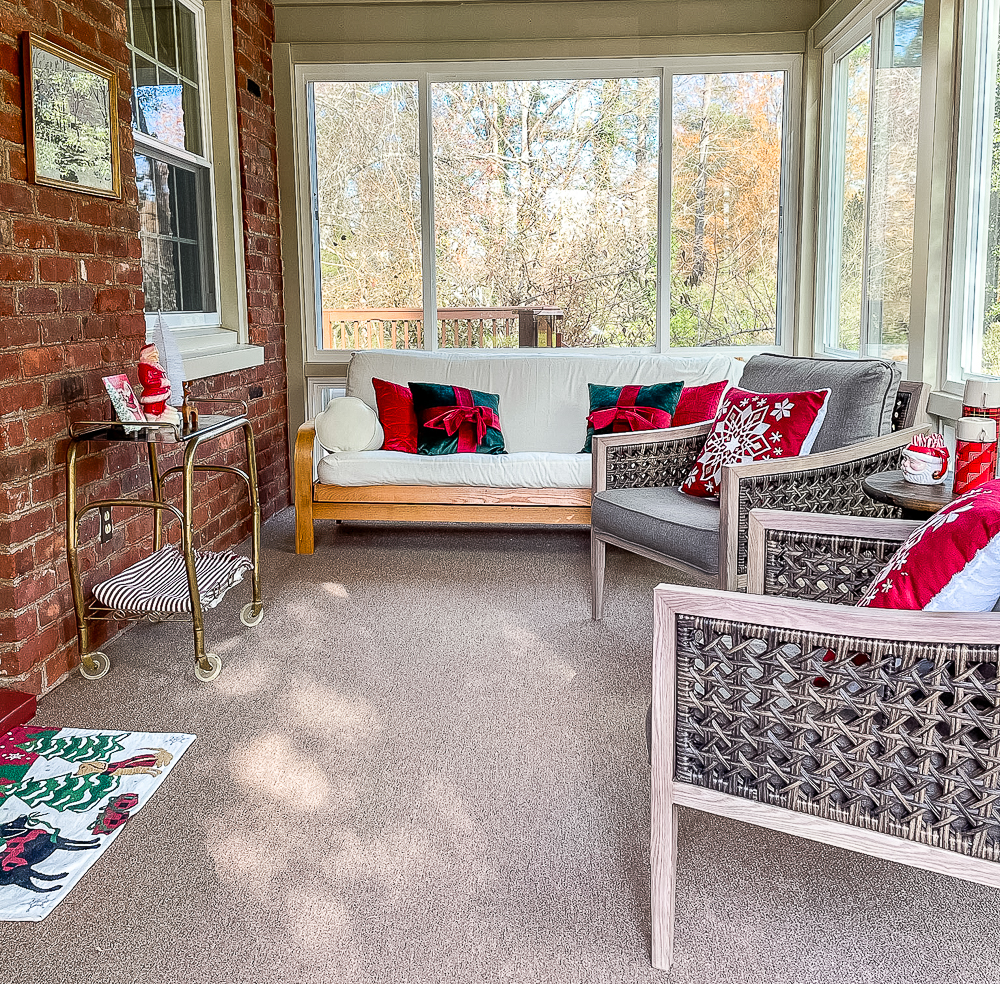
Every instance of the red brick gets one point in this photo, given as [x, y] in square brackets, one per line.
[114, 299]
[46, 425]
[75, 240]
[98, 271]
[15, 628]
[12, 434]
[17, 164]
[18, 396]
[94, 213]
[112, 244]
[56, 269]
[40, 646]
[60, 330]
[79, 29]
[42, 361]
[55, 204]
[78, 298]
[16, 266]
[37, 300]
[33, 234]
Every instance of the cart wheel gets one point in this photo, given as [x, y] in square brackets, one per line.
[101, 664]
[214, 668]
[247, 616]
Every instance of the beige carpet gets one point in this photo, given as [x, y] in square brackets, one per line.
[428, 764]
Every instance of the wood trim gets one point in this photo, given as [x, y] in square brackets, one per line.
[668, 561]
[870, 842]
[979, 628]
[519, 515]
[833, 525]
[451, 495]
[305, 440]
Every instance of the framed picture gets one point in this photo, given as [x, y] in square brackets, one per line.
[124, 400]
[71, 114]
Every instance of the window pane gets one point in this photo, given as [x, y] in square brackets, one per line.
[187, 45]
[142, 25]
[368, 214]
[854, 73]
[166, 38]
[726, 208]
[894, 180]
[545, 196]
[176, 251]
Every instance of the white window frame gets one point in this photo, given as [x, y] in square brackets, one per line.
[426, 74]
[218, 341]
[862, 24]
[979, 53]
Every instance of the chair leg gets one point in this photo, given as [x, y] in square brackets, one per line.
[663, 862]
[598, 549]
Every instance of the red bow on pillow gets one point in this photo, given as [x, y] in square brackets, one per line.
[463, 421]
[626, 416]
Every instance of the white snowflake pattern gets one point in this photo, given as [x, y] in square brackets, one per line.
[744, 434]
[782, 409]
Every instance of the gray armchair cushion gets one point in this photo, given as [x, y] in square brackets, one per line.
[862, 392]
[662, 519]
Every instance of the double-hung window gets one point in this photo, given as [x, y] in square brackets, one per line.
[974, 333]
[872, 81]
[187, 176]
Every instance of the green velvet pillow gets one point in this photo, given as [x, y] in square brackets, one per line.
[614, 409]
[454, 420]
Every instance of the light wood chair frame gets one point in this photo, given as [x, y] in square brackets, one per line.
[947, 641]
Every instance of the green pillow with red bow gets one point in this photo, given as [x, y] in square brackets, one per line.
[615, 409]
[456, 420]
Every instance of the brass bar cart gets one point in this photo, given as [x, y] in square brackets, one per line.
[134, 593]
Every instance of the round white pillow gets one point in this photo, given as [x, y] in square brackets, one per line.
[349, 424]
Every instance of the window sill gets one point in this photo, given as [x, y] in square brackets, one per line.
[211, 351]
[944, 405]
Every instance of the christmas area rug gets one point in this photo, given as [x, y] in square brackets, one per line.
[65, 795]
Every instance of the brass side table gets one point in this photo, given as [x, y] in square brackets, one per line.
[916, 501]
[141, 591]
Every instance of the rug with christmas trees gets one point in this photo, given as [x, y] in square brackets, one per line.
[65, 795]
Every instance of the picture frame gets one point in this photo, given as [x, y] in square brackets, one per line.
[123, 399]
[71, 120]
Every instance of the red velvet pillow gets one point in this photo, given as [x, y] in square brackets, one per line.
[698, 404]
[396, 415]
[756, 427]
[949, 564]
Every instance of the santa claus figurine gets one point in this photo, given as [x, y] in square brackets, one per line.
[155, 387]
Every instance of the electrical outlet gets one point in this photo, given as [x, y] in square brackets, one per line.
[107, 529]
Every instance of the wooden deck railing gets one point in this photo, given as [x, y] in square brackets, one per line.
[403, 328]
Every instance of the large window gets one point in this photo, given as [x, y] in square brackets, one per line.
[871, 127]
[482, 205]
[975, 297]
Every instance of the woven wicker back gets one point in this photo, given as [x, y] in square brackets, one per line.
[899, 737]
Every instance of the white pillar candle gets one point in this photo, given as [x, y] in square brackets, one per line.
[981, 429]
[981, 393]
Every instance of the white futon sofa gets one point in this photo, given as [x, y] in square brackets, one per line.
[544, 403]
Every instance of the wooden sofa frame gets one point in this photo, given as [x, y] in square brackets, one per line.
[423, 503]
[872, 730]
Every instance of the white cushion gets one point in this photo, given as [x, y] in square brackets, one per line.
[349, 424]
[521, 470]
[544, 400]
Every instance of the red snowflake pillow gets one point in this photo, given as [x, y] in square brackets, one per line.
[756, 427]
[951, 563]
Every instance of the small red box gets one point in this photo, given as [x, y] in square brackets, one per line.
[15, 709]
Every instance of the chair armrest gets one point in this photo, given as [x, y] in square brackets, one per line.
[827, 482]
[817, 556]
[645, 459]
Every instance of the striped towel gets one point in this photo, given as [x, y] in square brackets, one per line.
[159, 582]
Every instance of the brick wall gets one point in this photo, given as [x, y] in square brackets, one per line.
[71, 312]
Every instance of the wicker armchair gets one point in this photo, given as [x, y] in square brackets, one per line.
[708, 540]
[872, 730]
